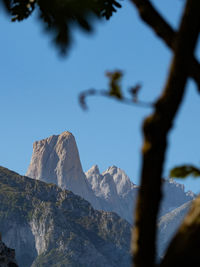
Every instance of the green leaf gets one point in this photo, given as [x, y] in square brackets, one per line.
[185, 171]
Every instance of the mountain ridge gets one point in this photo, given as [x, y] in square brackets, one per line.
[111, 190]
[48, 226]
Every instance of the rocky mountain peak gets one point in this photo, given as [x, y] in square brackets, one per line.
[94, 170]
[112, 169]
[122, 181]
[114, 190]
[56, 160]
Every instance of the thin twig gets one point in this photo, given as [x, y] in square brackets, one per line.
[124, 100]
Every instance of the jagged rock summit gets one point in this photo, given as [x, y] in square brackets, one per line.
[56, 160]
[114, 190]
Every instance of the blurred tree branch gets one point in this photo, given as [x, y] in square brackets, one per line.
[152, 18]
[155, 129]
[115, 91]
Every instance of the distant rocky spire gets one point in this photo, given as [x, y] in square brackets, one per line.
[114, 190]
[56, 160]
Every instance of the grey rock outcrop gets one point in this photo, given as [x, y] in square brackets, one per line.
[114, 190]
[168, 225]
[57, 227]
[18, 234]
[117, 193]
[56, 160]
[174, 195]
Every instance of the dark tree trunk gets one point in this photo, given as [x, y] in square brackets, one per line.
[155, 129]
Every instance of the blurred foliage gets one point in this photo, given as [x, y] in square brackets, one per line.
[114, 83]
[59, 16]
[185, 171]
[134, 92]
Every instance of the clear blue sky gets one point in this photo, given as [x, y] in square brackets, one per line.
[39, 93]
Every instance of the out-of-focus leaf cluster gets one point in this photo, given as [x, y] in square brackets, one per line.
[58, 16]
[115, 83]
[184, 171]
[19, 9]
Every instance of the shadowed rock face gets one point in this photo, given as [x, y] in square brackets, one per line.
[7, 256]
[48, 226]
[174, 196]
[168, 224]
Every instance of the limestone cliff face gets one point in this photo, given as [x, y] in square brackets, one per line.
[56, 160]
[117, 193]
[114, 190]
[51, 227]
[18, 234]
[168, 224]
